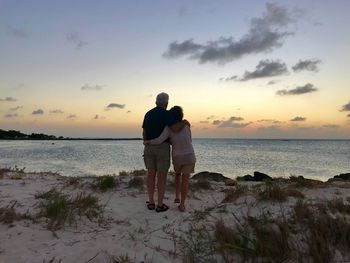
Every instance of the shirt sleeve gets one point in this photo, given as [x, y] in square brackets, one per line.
[164, 135]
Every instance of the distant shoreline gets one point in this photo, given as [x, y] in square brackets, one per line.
[140, 139]
[76, 139]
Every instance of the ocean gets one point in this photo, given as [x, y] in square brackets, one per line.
[317, 159]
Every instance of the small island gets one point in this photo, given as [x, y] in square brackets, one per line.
[17, 135]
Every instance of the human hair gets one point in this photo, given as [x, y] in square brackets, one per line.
[177, 113]
[162, 100]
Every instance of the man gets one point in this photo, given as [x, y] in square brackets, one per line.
[157, 157]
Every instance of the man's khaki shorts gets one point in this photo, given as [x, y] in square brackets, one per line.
[157, 157]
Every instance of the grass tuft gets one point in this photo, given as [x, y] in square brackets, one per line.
[141, 172]
[61, 209]
[123, 173]
[106, 182]
[8, 214]
[233, 194]
[338, 205]
[136, 182]
[273, 192]
[294, 193]
[73, 181]
[196, 245]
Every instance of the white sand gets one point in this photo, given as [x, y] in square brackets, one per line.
[127, 228]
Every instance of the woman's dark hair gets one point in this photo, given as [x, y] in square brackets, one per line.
[176, 113]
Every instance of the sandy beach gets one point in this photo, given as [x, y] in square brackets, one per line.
[106, 220]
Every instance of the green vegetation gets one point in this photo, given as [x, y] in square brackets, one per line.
[233, 194]
[8, 214]
[105, 182]
[61, 209]
[274, 192]
[338, 205]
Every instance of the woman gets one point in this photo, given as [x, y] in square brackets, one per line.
[182, 154]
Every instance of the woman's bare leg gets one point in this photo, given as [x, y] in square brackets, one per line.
[184, 188]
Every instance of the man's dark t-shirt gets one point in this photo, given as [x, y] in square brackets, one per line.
[155, 121]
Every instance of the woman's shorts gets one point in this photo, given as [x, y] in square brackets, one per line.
[185, 168]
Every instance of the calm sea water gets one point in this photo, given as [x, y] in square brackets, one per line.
[319, 159]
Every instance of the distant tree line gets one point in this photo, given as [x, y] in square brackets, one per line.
[17, 135]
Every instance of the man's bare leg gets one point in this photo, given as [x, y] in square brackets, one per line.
[177, 185]
[151, 180]
[161, 185]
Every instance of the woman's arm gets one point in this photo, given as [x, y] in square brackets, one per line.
[164, 135]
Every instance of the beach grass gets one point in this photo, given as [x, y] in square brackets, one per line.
[275, 221]
[233, 194]
[105, 183]
[136, 182]
[60, 208]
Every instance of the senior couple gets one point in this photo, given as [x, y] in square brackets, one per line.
[162, 128]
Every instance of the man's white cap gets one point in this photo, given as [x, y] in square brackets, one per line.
[162, 99]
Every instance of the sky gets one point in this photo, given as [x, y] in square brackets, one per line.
[239, 69]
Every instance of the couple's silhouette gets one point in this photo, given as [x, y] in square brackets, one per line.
[162, 128]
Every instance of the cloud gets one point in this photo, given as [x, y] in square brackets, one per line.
[38, 112]
[115, 105]
[348, 115]
[75, 39]
[234, 77]
[265, 33]
[17, 32]
[11, 115]
[308, 65]
[231, 123]
[270, 120]
[129, 111]
[98, 117]
[272, 82]
[71, 116]
[298, 118]
[331, 126]
[307, 88]
[266, 68]
[91, 87]
[56, 111]
[346, 107]
[8, 99]
[204, 122]
[16, 108]
[210, 117]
